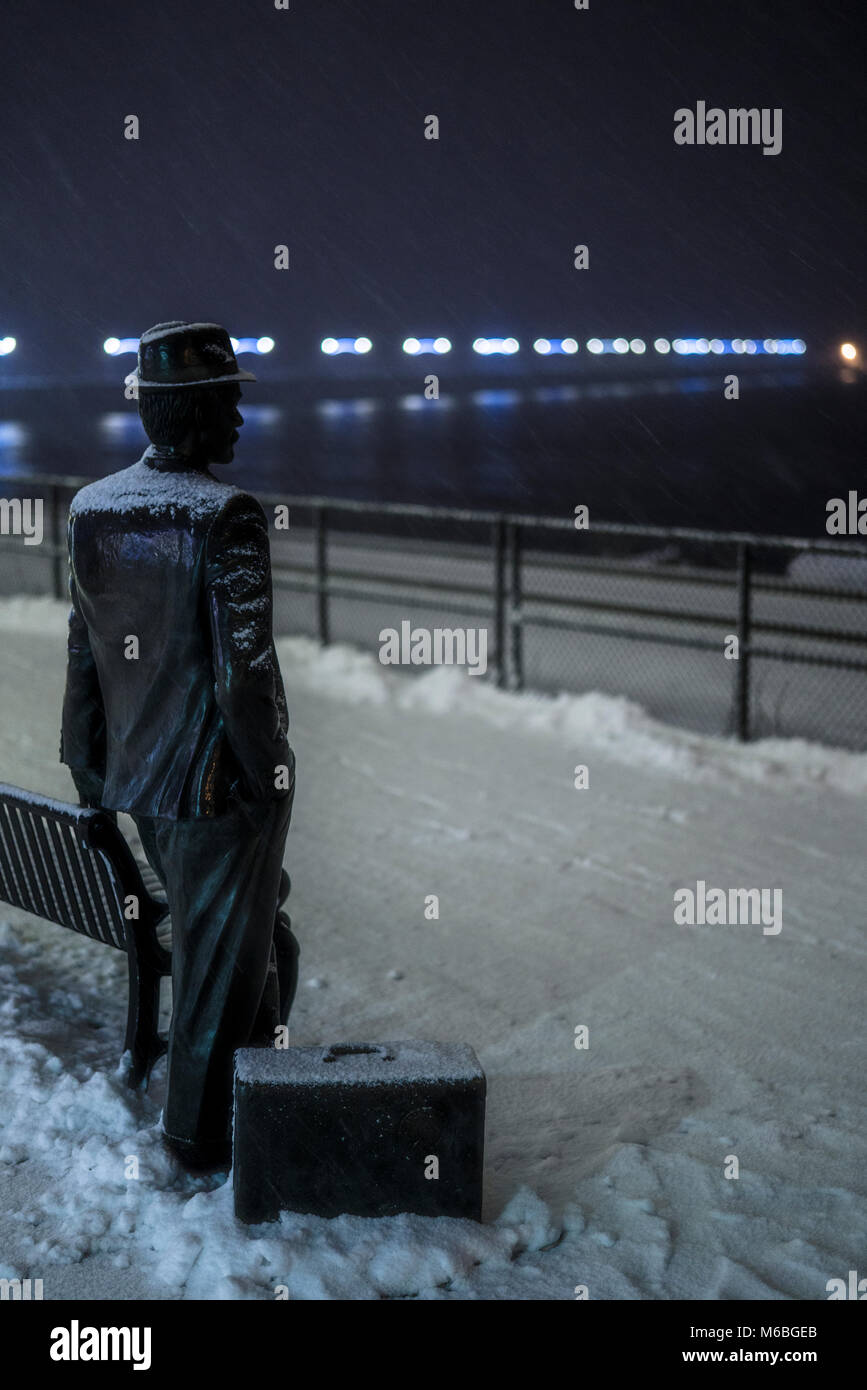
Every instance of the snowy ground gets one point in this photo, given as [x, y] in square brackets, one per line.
[605, 1167]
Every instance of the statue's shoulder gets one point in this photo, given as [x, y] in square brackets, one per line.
[99, 495]
[189, 496]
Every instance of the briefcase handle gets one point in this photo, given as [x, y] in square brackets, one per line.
[338, 1050]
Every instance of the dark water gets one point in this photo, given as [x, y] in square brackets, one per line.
[667, 452]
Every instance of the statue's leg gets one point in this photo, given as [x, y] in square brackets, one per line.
[223, 881]
[146, 827]
[268, 1015]
[287, 952]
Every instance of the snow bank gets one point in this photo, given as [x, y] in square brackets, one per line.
[27, 613]
[845, 572]
[609, 723]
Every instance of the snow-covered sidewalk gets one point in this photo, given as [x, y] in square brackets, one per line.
[606, 1165]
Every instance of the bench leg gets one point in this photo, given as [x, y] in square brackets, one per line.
[143, 1041]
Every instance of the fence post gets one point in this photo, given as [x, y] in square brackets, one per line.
[742, 666]
[57, 556]
[321, 538]
[516, 631]
[498, 531]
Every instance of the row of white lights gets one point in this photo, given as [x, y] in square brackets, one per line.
[687, 346]
[116, 346]
[485, 347]
[545, 346]
[507, 346]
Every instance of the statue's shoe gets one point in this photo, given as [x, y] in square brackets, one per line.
[200, 1156]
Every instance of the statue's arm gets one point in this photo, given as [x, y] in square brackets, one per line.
[247, 683]
[280, 693]
[82, 736]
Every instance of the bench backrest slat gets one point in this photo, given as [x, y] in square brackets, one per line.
[52, 880]
[7, 889]
[73, 914]
[14, 862]
[35, 877]
[112, 897]
[89, 892]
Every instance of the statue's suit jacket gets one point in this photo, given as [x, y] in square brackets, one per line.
[174, 699]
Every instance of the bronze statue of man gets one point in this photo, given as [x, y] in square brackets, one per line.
[175, 713]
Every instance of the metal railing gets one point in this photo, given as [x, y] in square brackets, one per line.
[513, 610]
[523, 576]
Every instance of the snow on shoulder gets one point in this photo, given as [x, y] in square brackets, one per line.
[144, 486]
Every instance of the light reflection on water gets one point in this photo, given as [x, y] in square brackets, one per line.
[119, 427]
[665, 450]
[339, 412]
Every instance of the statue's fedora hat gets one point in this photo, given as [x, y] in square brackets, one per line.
[186, 354]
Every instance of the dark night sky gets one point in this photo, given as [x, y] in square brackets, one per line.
[260, 126]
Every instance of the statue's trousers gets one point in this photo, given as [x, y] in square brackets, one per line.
[222, 877]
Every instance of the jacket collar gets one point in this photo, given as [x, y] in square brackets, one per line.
[169, 461]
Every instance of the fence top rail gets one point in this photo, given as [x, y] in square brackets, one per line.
[424, 511]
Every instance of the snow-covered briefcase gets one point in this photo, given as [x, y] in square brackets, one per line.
[359, 1128]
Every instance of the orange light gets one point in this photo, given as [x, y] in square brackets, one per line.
[849, 351]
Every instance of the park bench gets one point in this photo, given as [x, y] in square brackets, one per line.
[72, 865]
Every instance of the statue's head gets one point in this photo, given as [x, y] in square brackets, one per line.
[198, 423]
[188, 390]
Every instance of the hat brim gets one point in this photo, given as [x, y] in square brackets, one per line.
[239, 375]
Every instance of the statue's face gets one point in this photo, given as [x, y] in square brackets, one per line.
[221, 432]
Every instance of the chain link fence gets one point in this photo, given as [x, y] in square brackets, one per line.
[721, 633]
[646, 613]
